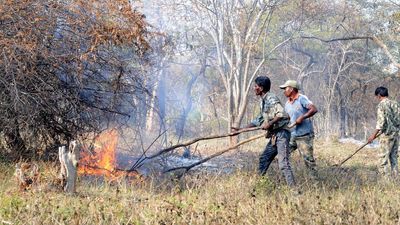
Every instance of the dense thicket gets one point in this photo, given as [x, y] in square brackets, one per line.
[66, 68]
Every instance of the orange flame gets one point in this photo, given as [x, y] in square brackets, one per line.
[103, 161]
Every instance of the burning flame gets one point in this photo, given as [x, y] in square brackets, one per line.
[103, 161]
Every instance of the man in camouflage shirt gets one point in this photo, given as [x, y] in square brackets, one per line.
[388, 112]
[274, 119]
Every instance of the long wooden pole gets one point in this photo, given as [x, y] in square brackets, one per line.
[187, 168]
[351, 156]
[169, 149]
[163, 151]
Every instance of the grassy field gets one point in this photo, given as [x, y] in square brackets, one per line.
[352, 195]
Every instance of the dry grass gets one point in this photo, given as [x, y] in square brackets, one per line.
[353, 195]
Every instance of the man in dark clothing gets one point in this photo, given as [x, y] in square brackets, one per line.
[274, 119]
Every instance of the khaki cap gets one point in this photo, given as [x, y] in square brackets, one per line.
[290, 83]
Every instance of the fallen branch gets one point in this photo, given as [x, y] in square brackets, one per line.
[169, 149]
[187, 168]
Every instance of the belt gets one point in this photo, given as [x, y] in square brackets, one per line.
[304, 135]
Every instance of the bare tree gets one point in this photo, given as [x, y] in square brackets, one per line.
[187, 104]
[236, 28]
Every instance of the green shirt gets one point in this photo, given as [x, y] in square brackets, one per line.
[271, 107]
[388, 121]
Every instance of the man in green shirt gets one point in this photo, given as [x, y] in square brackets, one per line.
[273, 118]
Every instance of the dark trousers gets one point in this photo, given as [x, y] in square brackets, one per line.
[281, 149]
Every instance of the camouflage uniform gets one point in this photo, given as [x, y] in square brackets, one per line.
[305, 146]
[388, 122]
[278, 145]
[302, 136]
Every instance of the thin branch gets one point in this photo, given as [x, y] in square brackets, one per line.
[385, 49]
[187, 168]
[166, 150]
[377, 41]
[394, 3]
[337, 39]
[143, 156]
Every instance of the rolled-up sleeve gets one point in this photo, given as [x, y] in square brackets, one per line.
[277, 110]
[305, 102]
[258, 120]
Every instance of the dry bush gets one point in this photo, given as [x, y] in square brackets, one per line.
[27, 175]
[66, 67]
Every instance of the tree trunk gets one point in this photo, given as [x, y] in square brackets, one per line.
[156, 112]
[341, 113]
[233, 140]
[342, 120]
[69, 163]
[161, 101]
[181, 122]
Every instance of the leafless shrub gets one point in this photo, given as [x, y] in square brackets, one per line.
[66, 67]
